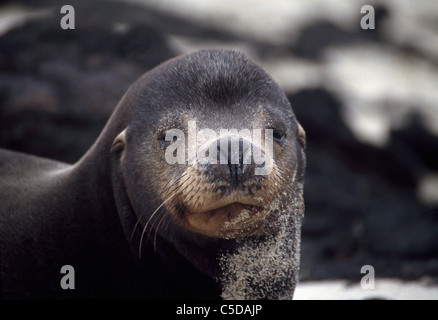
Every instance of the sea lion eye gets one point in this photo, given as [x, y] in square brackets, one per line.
[163, 142]
[279, 136]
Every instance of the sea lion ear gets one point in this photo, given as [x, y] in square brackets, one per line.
[301, 136]
[119, 142]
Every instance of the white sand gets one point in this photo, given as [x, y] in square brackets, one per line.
[384, 289]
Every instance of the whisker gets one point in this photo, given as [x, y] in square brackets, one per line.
[193, 195]
[202, 204]
[139, 219]
[179, 209]
[144, 229]
[194, 204]
[156, 230]
[175, 186]
[174, 202]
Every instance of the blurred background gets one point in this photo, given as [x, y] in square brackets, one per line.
[368, 100]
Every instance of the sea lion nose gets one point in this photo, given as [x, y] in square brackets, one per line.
[235, 158]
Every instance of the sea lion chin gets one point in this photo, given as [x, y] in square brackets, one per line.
[167, 209]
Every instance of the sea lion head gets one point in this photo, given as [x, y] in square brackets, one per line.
[210, 155]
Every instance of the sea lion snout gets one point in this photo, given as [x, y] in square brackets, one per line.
[234, 161]
[234, 180]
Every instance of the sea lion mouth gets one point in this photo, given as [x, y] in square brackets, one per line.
[230, 221]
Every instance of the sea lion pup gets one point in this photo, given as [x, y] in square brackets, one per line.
[194, 189]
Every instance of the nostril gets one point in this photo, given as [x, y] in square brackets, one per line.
[234, 154]
[241, 152]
